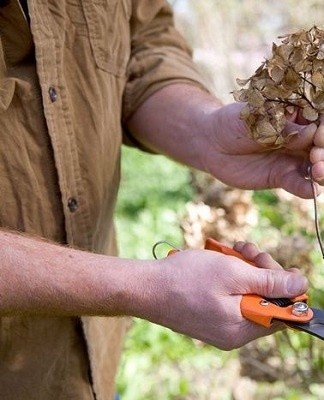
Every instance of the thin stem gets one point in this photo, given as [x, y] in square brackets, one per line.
[285, 102]
[307, 81]
[317, 227]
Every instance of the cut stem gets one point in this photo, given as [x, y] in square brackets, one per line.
[317, 227]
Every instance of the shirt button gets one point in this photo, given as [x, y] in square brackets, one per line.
[52, 94]
[72, 204]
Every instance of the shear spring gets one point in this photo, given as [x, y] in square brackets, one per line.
[281, 302]
[157, 244]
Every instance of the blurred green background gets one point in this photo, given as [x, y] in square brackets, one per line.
[158, 363]
[229, 40]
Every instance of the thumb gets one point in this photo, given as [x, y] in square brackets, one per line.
[275, 283]
[304, 137]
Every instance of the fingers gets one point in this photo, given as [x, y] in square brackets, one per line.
[317, 159]
[310, 136]
[270, 279]
[270, 284]
[289, 172]
[276, 284]
[296, 182]
[319, 135]
[251, 252]
[303, 139]
[261, 259]
[317, 153]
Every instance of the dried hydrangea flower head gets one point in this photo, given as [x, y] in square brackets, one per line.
[292, 79]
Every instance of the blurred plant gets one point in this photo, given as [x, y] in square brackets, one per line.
[293, 78]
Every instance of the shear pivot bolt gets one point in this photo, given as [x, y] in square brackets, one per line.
[299, 308]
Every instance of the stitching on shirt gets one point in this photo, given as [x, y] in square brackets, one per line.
[110, 59]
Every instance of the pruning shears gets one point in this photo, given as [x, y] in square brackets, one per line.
[295, 313]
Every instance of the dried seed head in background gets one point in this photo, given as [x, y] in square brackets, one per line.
[291, 80]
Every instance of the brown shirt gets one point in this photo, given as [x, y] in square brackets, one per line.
[70, 72]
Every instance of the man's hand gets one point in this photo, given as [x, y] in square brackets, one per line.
[239, 161]
[198, 293]
[194, 128]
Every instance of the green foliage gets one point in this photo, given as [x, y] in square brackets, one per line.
[153, 193]
[268, 211]
[160, 364]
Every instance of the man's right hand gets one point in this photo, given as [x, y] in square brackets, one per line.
[198, 293]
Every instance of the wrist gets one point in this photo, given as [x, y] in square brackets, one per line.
[146, 295]
[135, 288]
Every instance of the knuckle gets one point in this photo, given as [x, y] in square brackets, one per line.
[250, 250]
[265, 260]
[239, 245]
[270, 282]
[262, 258]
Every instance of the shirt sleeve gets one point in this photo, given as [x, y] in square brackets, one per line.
[159, 55]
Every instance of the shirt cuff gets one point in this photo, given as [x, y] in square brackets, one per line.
[153, 71]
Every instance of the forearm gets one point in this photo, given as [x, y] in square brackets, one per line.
[171, 122]
[37, 277]
[194, 292]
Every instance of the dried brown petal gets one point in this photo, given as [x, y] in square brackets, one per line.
[270, 141]
[296, 56]
[255, 98]
[290, 109]
[310, 113]
[303, 66]
[242, 82]
[240, 95]
[284, 51]
[277, 73]
[280, 141]
[292, 77]
[264, 128]
[318, 79]
[317, 65]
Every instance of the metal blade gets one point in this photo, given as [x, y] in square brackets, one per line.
[314, 327]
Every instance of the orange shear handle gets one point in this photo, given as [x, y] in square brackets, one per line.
[254, 307]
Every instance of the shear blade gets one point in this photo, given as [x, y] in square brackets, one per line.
[314, 327]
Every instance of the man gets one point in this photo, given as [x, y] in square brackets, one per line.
[70, 72]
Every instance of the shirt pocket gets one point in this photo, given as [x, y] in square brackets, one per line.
[109, 33]
[7, 90]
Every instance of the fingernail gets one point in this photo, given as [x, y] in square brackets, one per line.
[296, 285]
